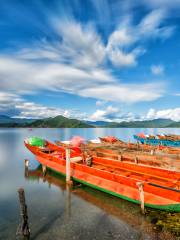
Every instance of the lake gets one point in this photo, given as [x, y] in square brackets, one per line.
[59, 213]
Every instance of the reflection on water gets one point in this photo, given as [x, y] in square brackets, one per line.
[56, 212]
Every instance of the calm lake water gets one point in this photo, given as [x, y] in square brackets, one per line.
[54, 212]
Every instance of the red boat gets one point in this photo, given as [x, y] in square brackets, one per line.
[161, 187]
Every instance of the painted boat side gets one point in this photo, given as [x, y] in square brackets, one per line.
[125, 189]
[160, 172]
[121, 186]
[157, 142]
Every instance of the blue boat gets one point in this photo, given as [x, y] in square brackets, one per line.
[157, 142]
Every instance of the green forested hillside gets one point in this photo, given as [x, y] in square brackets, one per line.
[156, 123]
[59, 122]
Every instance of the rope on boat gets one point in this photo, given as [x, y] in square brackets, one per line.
[164, 187]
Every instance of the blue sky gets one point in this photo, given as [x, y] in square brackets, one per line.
[90, 59]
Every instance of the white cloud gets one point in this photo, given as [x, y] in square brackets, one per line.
[157, 69]
[76, 63]
[121, 37]
[119, 58]
[173, 114]
[80, 45]
[45, 51]
[25, 109]
[124, 93]
[100, 103]
[27, 76]
[33, 110]
[151, 25]
[111, 114]
[105, 115]
[125, 43]
[7, 100]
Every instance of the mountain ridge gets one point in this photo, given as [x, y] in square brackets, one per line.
[63, 122]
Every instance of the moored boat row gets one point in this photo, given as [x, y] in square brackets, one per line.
[163, 139]
[161, 187]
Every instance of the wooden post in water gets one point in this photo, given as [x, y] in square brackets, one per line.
[26, 167]
[23, 228]
[26, 163]
[68, 200]
[44, 170]
[68, 166]
[140, 186]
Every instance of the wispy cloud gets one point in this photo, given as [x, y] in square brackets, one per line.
[100, 103]
[76, 63]
[25, 109]
[173, 114]
[33, 110]
[8, 101]
[151, 25]
[28, 109]
[27, 76]
[124, 93]
[108, 114]
[111, 114]
[157, 69]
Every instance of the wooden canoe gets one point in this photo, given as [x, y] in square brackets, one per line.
[168, 161]
[161, 187]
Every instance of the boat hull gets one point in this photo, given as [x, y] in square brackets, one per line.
[84, 175]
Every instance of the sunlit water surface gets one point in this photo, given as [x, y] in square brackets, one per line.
[54, 212]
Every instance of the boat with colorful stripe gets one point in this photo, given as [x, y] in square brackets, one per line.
[161, 187]
[158, 140]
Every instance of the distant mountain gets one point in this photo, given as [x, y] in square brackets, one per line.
[63, 122]
[174, 125]
[156, 123]
[59, 122]
[98, 123]
[6, 120]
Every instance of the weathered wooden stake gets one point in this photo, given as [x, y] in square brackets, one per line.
[68, 166]
[26, 163]
[23, 228]
[152, 151]
[44, 170]
[140, 186]
[120, 157]
[68, 200]
[26, 168]
[136, 159]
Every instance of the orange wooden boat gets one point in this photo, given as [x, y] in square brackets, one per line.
[161, 187]
[162, 160]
